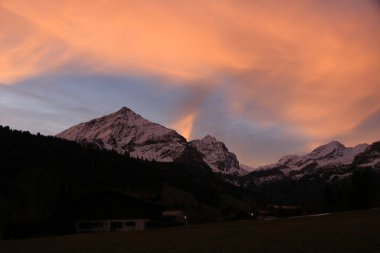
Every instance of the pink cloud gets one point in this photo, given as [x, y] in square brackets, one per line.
[310, 64]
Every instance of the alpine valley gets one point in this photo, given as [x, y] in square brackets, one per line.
[122, 161]
[305, 180]
[126, 132]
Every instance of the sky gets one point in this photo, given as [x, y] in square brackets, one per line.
[266, 77]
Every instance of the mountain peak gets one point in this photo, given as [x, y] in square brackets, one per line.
[124, 110]
[331, 144]
[328, 163]
[332, 149]
[209, 138]
[335, 143]
[217, 156]
[127, 132]
[331, 154]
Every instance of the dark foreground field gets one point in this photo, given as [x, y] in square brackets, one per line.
[341, 232]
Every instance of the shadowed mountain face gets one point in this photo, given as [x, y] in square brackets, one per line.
[128, 133]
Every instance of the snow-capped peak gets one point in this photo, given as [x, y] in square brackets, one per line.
[332, 161]
[127, 132]
[336, 153]
[330, 150]
[333, 153]
[217, 156]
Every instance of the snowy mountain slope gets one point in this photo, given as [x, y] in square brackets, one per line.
[217, 156]
[336, 153]
[330, 161]
[333, 153]
[370, 158]
[128, 133]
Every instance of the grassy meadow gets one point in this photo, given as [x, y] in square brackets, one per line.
[357, 231]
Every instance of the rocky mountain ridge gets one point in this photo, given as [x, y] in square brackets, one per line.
[217, 156]
[329, 162]
[129, 133]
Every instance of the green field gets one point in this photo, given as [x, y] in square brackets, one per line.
[357, 232]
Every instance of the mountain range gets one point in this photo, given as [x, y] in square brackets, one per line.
[327, 163]
[126, 132]
[44, 184]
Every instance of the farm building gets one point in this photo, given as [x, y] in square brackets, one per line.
[280, 211]
[109, 225]
[177, 217]
[112, 210]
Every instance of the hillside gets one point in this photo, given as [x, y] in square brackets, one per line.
[43, 176]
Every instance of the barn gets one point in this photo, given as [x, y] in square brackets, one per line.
[114, 210]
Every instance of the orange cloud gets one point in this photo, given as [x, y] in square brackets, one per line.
[185, 125]
[26, 49]
[308, 63]
[131, 36]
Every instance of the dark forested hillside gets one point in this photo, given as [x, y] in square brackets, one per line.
[41, 177]
[322, 190]
[42, 180]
